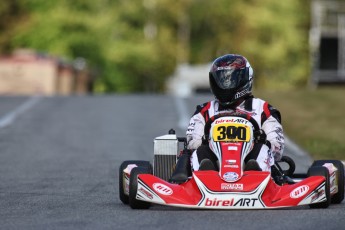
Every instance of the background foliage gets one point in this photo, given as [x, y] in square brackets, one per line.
[314, 119]
[135, 45]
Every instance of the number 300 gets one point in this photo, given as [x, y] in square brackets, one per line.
[232, 133]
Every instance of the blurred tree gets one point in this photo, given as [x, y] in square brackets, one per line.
[135, 45]
[279, 42]
[12, 14]
[109, 34]
[272, 34]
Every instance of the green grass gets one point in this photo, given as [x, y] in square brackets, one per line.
[314, 119]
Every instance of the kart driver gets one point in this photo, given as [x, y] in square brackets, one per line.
[231, 81]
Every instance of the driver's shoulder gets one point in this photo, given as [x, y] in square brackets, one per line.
[267, 109]
[259, 100]
[204, 107]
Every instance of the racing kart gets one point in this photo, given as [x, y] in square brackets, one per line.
[231, 138]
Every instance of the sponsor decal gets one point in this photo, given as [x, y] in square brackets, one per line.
[234, 120]
[225, 68]
[162, 189]
[230, 176]
[226, 186]
[231, 166]
[126, 182]
[242, 93]
[233, 148]
[241, 111]
[299, 191]
[333, 183]
[231, 162]
[243, 202]
[146, 193]
[317, 195]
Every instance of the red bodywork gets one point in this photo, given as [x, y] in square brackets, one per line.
[206, 190]
[231, 139]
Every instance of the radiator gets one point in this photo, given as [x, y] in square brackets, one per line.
[165, 155]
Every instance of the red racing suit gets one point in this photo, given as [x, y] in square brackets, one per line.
[267, 117]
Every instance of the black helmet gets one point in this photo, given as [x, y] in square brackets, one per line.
[231, 78]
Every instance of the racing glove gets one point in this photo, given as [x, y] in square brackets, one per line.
[186, 152]
[261, 137]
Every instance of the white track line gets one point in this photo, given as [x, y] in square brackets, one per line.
[294, 148]
[10, 117]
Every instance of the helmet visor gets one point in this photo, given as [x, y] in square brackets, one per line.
[229, 78]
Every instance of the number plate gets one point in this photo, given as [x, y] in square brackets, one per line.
[231, 132]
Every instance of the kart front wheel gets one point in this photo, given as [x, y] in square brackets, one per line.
[321, 171]
[133, 188]
[122, 186]
[339, 196]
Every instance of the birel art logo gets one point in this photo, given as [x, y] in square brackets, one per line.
[299, 191]
[243, 202]
[162, 189]
[234, 120]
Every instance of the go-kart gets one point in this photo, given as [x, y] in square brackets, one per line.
[231, 138]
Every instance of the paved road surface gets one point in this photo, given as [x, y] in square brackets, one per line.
[59, 162]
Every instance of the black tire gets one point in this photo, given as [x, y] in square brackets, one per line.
[321, 171]
[133, 187]
[339, 196]
[123, 197]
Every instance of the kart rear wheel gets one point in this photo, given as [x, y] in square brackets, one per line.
[339, 196]
[321, 171]
[133, 187]
[123, 196]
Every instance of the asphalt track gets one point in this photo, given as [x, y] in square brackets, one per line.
[59, 159]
